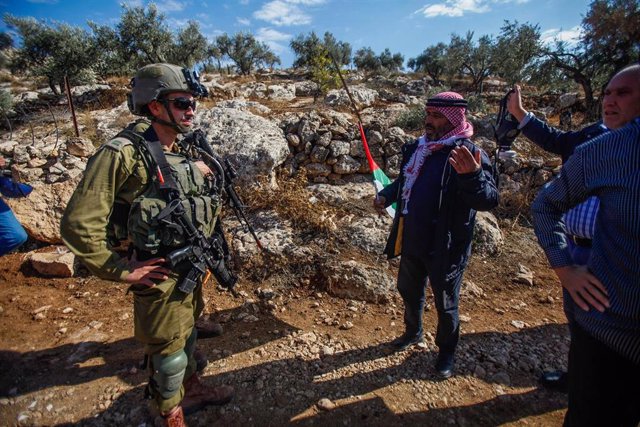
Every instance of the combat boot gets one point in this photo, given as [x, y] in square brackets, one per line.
[173, 418]
[198, 395]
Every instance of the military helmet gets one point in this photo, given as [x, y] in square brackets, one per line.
[155, 80]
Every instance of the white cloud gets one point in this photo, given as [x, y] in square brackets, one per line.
[307, 2]
[571, 36]
[131, 3]
[286, 12]
[166, 6]
[454, 8]
[273, 39]
[243, 21]
[177, 23]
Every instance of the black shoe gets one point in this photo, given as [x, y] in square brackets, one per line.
[444, 364]
[556, 380]
[405, 341]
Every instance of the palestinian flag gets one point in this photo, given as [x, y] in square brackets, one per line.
[380, 180]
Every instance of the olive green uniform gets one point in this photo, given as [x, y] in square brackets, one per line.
[116, 178]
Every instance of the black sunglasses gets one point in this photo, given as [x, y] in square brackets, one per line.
[182, 103]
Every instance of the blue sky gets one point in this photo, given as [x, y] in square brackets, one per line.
[405, 26]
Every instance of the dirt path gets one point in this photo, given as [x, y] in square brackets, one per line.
[301, 357]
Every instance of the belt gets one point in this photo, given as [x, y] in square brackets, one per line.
[580, 241]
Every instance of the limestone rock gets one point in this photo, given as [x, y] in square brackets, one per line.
[58, 261]
[255, 145]
[41, 211]
[487, 237]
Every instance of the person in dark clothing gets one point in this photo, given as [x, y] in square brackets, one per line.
[445, 179]
[618, 109]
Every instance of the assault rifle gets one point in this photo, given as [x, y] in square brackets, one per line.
[197, 141]
[204, 253]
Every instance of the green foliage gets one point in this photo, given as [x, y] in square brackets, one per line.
[476, 104]
[6, 101]
[190, 47]
[52, 51]
[341, 51]
[111, 58]
[580, 65]
[516, 47]
[391, 62]
[432, 60]
[468, 58]
[6, 43]
[612, 32]
[143, 35]
[411, 119]
[323, 73]
[246, 52]
[365, 59]
[316, 55]
[307, 48]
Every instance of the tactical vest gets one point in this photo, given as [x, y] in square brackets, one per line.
[144, 229]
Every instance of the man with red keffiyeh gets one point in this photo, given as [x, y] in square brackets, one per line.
[445, 179]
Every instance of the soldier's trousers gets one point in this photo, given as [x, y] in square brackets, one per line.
[164, 319]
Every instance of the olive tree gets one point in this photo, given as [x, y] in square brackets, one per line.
[246, 52]
[53, 52]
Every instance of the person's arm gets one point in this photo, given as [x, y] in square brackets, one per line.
[540, 133]
[84, 224]
[475, 178]
[568, 190]
[390, 193]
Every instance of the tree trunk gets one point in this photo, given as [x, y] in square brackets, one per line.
[590, 103]
[53, 87]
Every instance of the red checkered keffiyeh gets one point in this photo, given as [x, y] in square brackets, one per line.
[453, 106]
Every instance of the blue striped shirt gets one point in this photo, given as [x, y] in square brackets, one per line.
[581, 220]
[607, 167]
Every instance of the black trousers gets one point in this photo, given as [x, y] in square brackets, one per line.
[604, 386]
[413, 277]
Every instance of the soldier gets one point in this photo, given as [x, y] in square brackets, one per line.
[122, 192]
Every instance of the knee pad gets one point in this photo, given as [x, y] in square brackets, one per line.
[168, 373]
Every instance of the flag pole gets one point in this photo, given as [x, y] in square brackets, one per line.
[380, 180]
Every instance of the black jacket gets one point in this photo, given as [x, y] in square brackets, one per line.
[460, 197]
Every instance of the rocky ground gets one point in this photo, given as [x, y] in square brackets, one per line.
[305, 338]
[295, 355]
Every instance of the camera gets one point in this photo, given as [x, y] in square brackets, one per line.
[193, 81]
[506, 129]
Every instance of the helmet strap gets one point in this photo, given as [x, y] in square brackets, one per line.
[178, 128]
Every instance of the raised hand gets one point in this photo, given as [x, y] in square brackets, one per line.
[514, 104]
[463, 161]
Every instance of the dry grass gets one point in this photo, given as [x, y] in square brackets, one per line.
[292, 202]
[90, 129]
